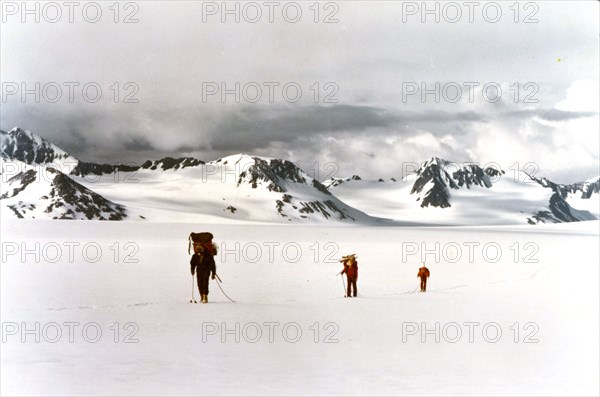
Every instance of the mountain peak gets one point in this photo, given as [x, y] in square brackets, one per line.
[333, 182]
[437, 176]
[436, 161]
[17, 130]
[238, 158]
[54, 195]
[275, 172]
[25, 146]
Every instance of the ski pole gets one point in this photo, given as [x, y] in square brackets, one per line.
[193, 299]
[344, 285]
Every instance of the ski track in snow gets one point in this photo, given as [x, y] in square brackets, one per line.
[141, 304]
[414, 291]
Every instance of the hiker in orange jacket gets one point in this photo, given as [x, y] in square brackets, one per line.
[423, 274]
[351, 270]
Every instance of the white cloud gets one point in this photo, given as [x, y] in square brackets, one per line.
[582, 95]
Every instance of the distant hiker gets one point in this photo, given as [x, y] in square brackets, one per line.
[423, 274]
[203, 264]
[351, 270]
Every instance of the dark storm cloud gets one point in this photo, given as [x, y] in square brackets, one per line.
[239, 129]
[549, 114]
[253, 128]
[368, 54]
[137, 144]
[438, 116]
[96, 137]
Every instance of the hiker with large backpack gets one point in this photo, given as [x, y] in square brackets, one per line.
[424, 275]
[351, 271]
[203, 262]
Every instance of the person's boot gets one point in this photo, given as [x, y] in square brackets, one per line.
[202, 298]
[205, 298]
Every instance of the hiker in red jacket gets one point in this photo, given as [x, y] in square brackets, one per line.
[423, 274]
[351, 270]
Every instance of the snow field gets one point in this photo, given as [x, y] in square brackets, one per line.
[191, 349]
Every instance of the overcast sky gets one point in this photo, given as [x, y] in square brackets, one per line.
[370, 56]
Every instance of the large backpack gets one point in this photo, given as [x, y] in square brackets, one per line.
[349, 260]
[198, 239]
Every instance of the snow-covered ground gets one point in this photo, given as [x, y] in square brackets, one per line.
[591, 205]
[543, 277]
[510, 201]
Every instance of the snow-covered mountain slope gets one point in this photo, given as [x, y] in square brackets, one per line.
[43, 192]
[437, 177]
[448, 193]
[582, 189]
[167, 163]
[25, 146]
[244, 188]
[332, 182]
[583, 195]
[303, 196]
[232, 189]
